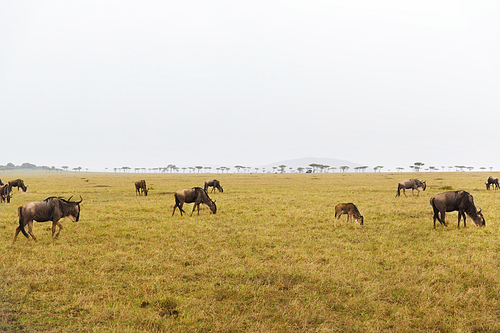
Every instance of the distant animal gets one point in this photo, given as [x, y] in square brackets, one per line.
[51, 209]
[19, 183]
[351, 210]
[140, 187]
[215, 184]
[413, 184]
[492, 181]
[196, 195]
[5, 193]
[461, 201]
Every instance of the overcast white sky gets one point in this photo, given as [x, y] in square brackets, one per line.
[149, 83]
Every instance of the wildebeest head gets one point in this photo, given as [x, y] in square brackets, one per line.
[479, 219]
[73, 210]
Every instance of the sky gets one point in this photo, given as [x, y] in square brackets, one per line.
[106, 84]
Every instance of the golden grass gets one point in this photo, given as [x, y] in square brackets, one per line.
[271, 260]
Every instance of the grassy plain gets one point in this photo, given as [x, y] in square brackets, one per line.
[271, 260]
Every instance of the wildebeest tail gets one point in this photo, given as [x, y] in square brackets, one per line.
[21, 224]
[436, 211]
[399, 190]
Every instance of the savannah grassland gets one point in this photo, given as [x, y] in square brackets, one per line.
[271, 260]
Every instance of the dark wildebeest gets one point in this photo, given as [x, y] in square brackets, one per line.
[196, 195]
[140, 186]
[5, 193]
[19, 183]
[456, 200]
[492, 181]
[351, 210]
[51, 209]
[413, 184]
[215, 184]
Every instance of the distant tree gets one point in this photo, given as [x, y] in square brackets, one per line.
[400, 169]
[344, 168]
[274, 168]
[282, 167]
[65, 167]
[482, 168]
[300, 169]
[418, 166]
[238, 167]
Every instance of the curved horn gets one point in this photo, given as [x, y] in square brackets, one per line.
[78, 202]
[70, 198]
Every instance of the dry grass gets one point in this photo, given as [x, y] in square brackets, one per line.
[271, 260]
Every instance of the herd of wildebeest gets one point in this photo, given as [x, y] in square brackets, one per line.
[55, 208]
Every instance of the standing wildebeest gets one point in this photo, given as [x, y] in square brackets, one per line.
[140, 186]
[51, 209]
[196, 195]
[351, 210]
[5, 193]
[492, 181]
[19, 183]
[414, 184]
[215, 184]
[456, 200]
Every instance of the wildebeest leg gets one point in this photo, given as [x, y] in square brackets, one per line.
[180, 208]
[443, 221]
[54, 224]
[18, 230]
[196, 204]
[30, 230]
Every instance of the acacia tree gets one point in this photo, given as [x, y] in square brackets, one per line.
[344, 168]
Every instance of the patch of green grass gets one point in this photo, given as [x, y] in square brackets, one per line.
[271, 260]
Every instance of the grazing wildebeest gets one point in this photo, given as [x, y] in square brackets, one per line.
[456, 200]
[351, 210]
[140, 186]
[51, 209]
[5, 193]
[413, 184]
[196, 195]
[492, 181]
[19, 183]
[215, 184]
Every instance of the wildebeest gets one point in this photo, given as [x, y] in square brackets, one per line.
[461, 201]
[5, 193]
[19, 183]
[140, 186]
[492, 181]
[51, 209]
[215, 184]
[351, 210]
[196, 195]
[413, 184]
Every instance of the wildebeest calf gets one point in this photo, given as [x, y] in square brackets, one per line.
[351, 210]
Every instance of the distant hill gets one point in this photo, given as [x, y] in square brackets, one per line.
[304, 162]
